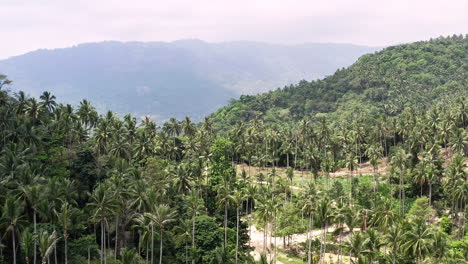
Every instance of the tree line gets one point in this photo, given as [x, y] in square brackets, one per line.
[82, 187]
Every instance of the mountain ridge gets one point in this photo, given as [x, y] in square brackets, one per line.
[386, 82]
[166, 79]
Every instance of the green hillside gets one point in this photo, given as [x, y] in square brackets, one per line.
[417, 74]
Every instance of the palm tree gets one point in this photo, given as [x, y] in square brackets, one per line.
[144, 226]
[355, 244]
[418, 240]
[12, 220]
[290, 176]
[129, 256]
[309, 209]
[65, 217]
[47, 244]
[32, 195]
[394, 238]
[374, 153]
[400, 159]
[195, 206]
[237, 199]
[324, 215]
[372, 243]
[351, 165]
[163, 215]
[27, 240]
[384, 216]
[48, 101]
[103, 206]
[224, 193]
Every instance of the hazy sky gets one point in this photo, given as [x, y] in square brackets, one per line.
[27, 25]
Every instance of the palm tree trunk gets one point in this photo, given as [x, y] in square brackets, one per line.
[65, 240]
[237, 234]
[14, 245]
[116, 237]
[309, 241]
[193, 238]
[102, 243]
[152, 243]
[35, 232]
[55, 250]
[430, 192]
[147, 250]
[160, 246]
[275, 241]
[225, 224]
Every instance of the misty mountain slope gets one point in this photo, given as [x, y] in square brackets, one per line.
[186, 77]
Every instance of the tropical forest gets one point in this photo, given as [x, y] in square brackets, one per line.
[366, 165]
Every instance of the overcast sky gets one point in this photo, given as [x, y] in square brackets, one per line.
[27, 25]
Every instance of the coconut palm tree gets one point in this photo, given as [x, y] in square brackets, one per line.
[163, 215]
[195, 206]
[324, 215]
[27, 241]
[65, 216]
[32, 195]
[12, 220]
[417, 241]
[400, 159]
[48, 101]
[374, 153]
[47, 244]
[237, 199]
[103, 206]
[224, 192]
[394, 238]
[355, 244]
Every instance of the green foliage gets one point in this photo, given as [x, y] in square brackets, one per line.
[420, 209]
[80, 247]
[417, 75]
[446, 224]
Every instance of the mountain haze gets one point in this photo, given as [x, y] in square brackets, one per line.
[172, 79]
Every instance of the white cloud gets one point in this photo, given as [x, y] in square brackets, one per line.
[28, 25]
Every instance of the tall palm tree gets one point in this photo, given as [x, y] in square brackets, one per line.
[351, 165]
[393, 239]
[418, 240]
[400, 159]
[27, 241]
[195, 206]
[355, 244]
[103, 206]
[48, 101]
[324, 214]
[163, 215]
[237, 199]
[32, 195]
[372, 243]
[65, 216]
[224, 192]
[374, 153]
[47, 244]
[12, 220]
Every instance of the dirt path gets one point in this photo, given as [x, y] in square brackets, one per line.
[364, 168]
[256, 240]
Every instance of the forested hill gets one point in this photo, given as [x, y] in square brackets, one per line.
[171, 79]
[410, 75]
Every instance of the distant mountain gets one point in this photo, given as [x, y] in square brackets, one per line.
[172, 79]
[417, 75]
